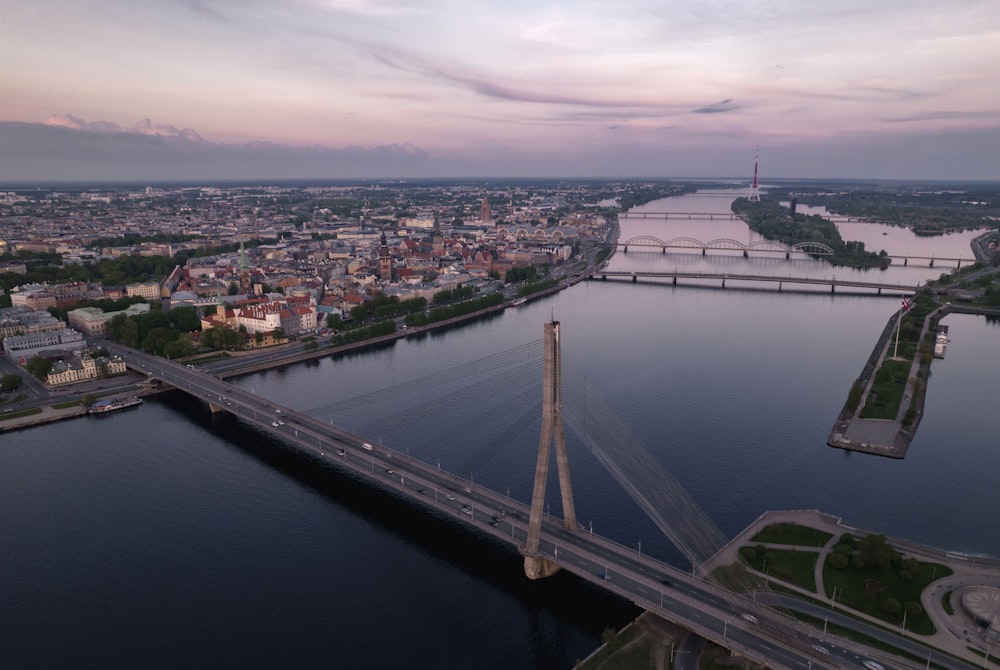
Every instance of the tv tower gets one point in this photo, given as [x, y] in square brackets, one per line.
[754, 191]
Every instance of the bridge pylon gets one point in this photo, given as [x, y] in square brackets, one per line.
[535, 566]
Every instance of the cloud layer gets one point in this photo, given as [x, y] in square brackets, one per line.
[547, 81]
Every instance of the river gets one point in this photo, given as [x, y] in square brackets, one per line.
[161, 537]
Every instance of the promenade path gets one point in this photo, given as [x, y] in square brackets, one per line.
[955, 631]
[47, 415]
[885, 437]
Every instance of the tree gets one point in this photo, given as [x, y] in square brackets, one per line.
[185, 319]
[359, 313]
[40, 367]
[913, 608]
[839, 561]
[890, 606]
[278, 333]
[12, 381]
[334, 322]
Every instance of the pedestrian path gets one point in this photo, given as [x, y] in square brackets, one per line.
[954, 631]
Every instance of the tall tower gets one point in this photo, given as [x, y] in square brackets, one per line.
[535, 566]
[244, 271]
[384, 260]
[485, 214]
[754, 191]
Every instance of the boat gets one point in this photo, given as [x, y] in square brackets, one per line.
[105, 406]
[941, 342]
[518, 302]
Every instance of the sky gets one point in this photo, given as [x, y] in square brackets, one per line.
[197, 89]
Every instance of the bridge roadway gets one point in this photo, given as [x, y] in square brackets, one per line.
[761, 247]
[634, 275]
[733, 621]
[836, 218]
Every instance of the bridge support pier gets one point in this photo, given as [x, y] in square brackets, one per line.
[879, 291]
[703, 250]
[626, 249]
[932, 263]
[634, 279]
[746, 254]
[905, 262]
[536, 567]
[779, 287]
[663, 250]
[214, 409]
[788, 255]
[723, 282]
[675, 280]
[833, 288]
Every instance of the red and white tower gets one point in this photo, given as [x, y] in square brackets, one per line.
[754, 191]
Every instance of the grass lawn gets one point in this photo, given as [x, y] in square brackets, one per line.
[865, 589]
[18, 414]
[792, 533]
[887, 390]
[631, 649]
[794, 567]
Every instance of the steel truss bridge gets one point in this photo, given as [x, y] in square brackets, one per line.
[726, 615]
[726, 244]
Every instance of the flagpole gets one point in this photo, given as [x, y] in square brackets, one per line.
[899, 320]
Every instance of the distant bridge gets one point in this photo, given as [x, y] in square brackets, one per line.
[721, 216]
[725, 244]
[833, 283]
[765, 246]
[732, 216]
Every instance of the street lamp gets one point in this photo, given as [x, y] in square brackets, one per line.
[640, 547]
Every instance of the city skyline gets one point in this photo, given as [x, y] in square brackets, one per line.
[386, 89]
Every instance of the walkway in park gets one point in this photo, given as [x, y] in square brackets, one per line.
[955, 632]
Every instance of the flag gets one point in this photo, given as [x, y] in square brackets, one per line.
[906, 305]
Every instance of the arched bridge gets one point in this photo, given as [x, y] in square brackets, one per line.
[726, 244]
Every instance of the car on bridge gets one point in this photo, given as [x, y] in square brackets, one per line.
[366, 446]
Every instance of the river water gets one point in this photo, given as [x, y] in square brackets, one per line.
[159, 537]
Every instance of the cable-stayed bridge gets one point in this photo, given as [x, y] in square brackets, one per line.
[513, 381]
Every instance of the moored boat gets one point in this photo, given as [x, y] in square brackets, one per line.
[105, 406]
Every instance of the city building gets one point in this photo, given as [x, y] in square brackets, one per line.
[22, 348]
[83, 368]
[94, 321]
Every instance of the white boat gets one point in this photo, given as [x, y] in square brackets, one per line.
[941, 342]
[105, 406]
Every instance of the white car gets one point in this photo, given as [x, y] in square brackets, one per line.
[872, 665]
[366, 446]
